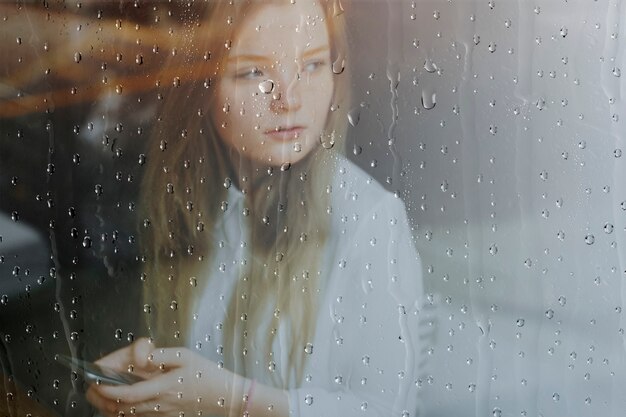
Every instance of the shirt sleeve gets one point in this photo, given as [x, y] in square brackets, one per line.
[376, 313]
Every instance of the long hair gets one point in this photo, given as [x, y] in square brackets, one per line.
[188, 172]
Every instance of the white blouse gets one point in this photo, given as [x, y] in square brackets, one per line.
[364, 355]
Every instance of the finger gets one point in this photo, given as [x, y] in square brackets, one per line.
[173, 357]
[103, 404]
[151, 408]
[141, 391]
[141, 350]
[136, 354]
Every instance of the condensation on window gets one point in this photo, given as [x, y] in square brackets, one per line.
[439, 233]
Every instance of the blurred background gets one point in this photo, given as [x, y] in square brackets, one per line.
[499, 122]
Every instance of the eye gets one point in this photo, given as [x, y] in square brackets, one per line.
[249, 74]
[314, 65]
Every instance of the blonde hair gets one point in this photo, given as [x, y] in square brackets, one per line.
[184, 188]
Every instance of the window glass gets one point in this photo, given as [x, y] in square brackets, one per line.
[312, 207]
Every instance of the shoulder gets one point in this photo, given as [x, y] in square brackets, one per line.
[372, 232]
[355, 192]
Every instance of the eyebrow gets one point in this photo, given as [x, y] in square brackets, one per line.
[264, 59]
[314, 51]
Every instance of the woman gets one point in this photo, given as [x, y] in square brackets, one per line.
[280, 280]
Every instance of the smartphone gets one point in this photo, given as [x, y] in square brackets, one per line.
[98, 374]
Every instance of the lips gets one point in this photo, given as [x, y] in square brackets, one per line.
[284, 133]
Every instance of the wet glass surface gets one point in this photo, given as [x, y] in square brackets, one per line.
[496, 123]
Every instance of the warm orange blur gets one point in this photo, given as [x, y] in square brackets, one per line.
[59, 55]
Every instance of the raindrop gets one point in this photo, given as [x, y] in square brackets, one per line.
[608, 228]
[354, 116]
[429, 99]
[590, 239]
[339, 66]
[520, 322]
[266, 86]
[308, 399]
[430, 66]
[541, 103]
[77, 57]
[327, 140]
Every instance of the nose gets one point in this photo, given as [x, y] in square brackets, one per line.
[286, 96]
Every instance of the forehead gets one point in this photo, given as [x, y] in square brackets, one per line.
[283, 27]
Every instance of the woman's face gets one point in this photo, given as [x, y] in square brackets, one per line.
[275, 92]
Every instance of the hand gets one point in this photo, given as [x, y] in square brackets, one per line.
[177, 381]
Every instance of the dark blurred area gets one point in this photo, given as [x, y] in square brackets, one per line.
[69, 179]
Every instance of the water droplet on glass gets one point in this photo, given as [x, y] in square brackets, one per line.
[266, 86]
[590, 239]
[430, 66]
[429, 99]
[339, 66]
[354, 116]
[327, 140]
